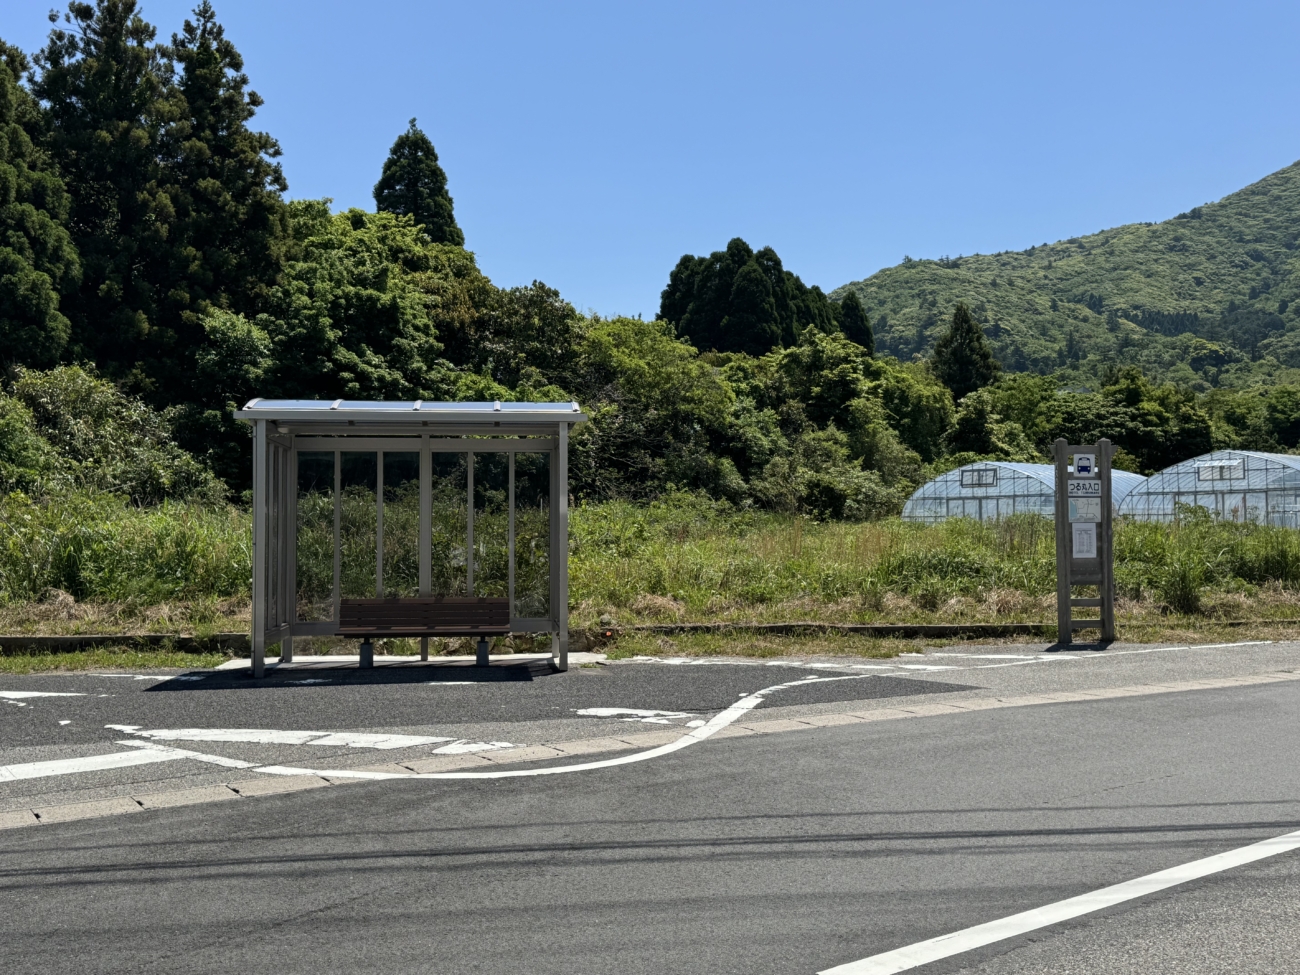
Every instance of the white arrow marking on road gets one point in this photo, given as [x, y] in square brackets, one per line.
[947, 945]
[696, 735]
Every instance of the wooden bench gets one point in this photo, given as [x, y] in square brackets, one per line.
[424, 616]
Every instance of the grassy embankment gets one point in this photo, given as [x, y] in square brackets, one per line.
[94, 564]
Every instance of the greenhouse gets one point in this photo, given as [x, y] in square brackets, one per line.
[1235, 485]
[993, 489]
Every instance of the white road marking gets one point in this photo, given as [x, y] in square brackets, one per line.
[269, 736]
[150, 747]
[22, 695]
[65, 722]
[72, 766]
[634, 714]
[947, 945]
[692, 737]
[463, 747]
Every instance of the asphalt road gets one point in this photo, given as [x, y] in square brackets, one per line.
[781, 853]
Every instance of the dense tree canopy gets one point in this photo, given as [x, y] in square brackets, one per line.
[414, 185]
[153, 278]
[737, 300]
[962, 359]
[38, 262]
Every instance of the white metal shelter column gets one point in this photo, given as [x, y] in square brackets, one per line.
[426, 528]
[510, 531]
[469, 523]
[338, 531]
[560, 552]
[289, 517]
[260, 500]
[379, 523]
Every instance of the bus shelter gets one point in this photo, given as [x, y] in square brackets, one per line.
[355, 499]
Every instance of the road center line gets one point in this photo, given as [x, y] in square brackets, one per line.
[947, 945]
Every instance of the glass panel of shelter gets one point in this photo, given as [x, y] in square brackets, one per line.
[374, 533]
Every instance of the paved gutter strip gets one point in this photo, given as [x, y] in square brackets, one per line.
[280, 784]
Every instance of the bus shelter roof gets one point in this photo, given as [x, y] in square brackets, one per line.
[314, 413]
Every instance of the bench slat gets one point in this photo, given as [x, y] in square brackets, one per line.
[425, 616]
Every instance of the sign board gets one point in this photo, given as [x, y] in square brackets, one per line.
[1084, 548]
[1085, 509]
[1085, 539]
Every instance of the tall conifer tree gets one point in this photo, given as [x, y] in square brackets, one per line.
[230, 233]
[37, 260]
[963, 360]
[854, 323]
[102, 85]
[414, 185]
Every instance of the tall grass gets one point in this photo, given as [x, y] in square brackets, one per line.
[702, 558]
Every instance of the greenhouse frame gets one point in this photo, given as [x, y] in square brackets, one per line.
[989, 490]
[1234, 485]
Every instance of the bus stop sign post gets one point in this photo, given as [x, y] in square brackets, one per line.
[1085, 553]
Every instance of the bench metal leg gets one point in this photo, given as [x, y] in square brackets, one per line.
[424, 648]
[367, 654]
[481, 657]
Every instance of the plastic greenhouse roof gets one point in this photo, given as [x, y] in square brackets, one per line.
[1122, 482]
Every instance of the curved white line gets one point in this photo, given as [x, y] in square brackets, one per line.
[695, 735]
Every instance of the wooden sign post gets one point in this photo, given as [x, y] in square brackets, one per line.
[1085, 553]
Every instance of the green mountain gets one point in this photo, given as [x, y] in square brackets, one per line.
[1210, 298]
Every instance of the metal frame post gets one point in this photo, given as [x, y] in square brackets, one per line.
[379, 523]
[426, 529]
[290, 517]
[1070, 571]
[469, 522]
[338, 532]
[510, 531]
[258, 637]
[561, 558]
[1064, 635]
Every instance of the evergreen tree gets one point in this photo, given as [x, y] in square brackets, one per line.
[717, 302]
[103, 87]
[37, 259]
[230, 232]
[962, 359]
[413, 184]
[854, 323]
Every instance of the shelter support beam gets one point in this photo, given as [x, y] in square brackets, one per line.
[560, 551]
[260, 540]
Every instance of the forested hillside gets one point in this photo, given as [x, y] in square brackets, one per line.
[154, 274]
[1208, 298]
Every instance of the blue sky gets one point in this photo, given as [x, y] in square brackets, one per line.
[591, 145]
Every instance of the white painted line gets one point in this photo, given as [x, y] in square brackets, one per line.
[464, 747]
[150, 748]
[635, 714]
[72, 766]
[271, 736]
[947, 945]
[23, 695]
[692, 737]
